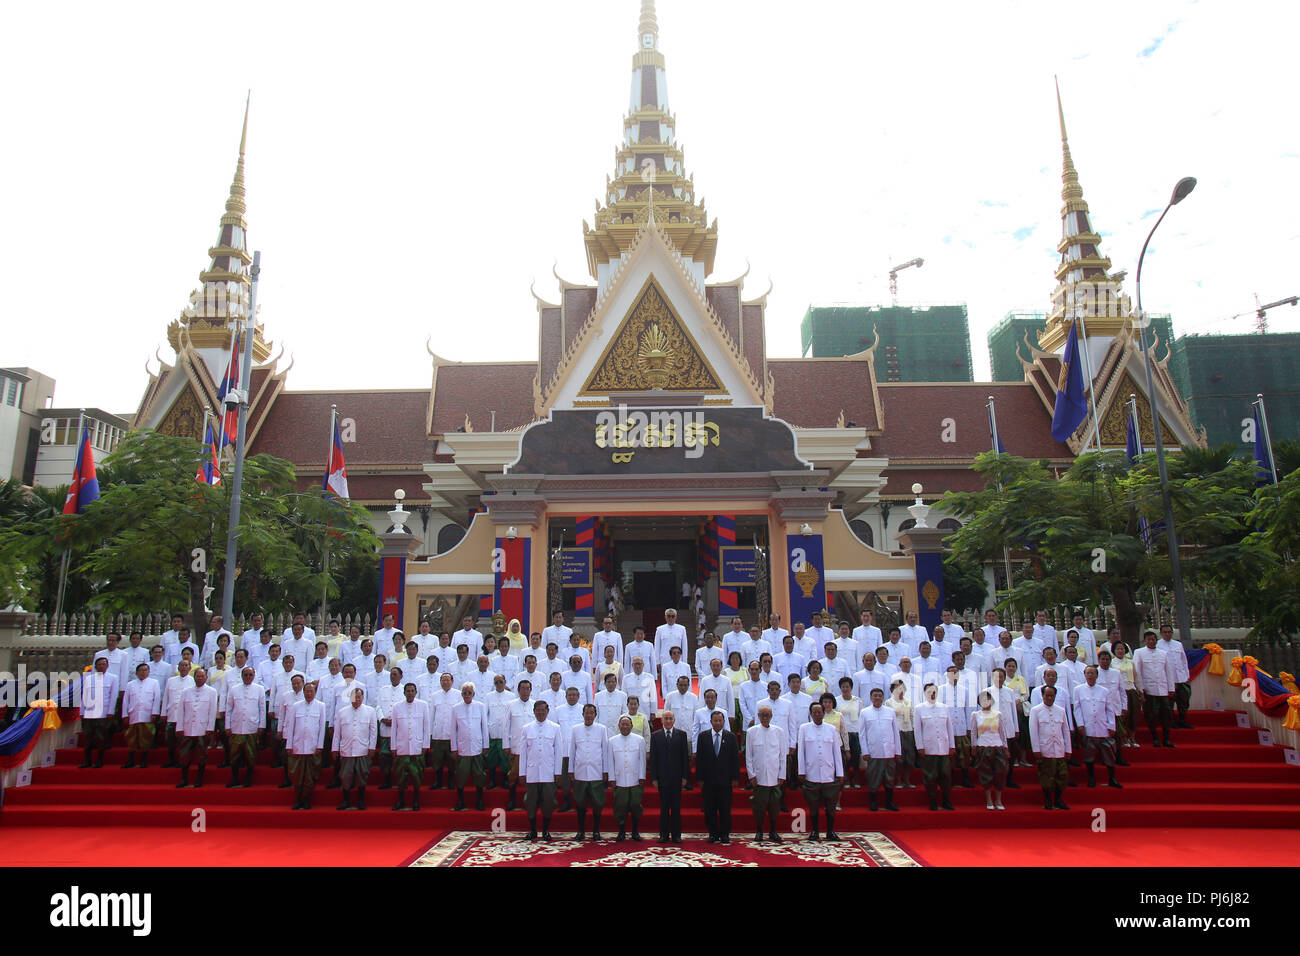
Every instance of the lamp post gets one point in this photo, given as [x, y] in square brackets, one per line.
[1181, 191]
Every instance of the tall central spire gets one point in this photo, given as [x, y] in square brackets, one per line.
[1083, 273]
[221, 300]
[649, 172]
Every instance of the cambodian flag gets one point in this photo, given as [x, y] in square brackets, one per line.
[336, 473]
[85, 486]
[209, 472]
[230, 425]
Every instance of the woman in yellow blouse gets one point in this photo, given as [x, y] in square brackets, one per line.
[1126, 726]
[1018, 684]
[815, 685]
[989, 749]
[736, 673]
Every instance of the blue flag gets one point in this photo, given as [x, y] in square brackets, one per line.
[1264, 473]
[993, 434]
[1071, 405]
[1132, 443]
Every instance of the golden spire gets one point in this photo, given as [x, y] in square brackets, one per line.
[221, 300]
[649, 25]
[1083, 273]
[649, 163]
[235, 204]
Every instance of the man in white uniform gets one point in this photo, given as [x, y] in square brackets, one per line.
[641, 685]
[819, 635]
[469, 744]
[912, 633]
[765, 764]
[867, 635]
[542, 751]
[821, 770]
[1177, 655]
[410, 742]
[556, 632]
[627, 754]
[245, 722]
[1049, 736]
[935, 743]
[171, 709]
[611, 704]
[589, 765]
[708, 651]
[196, 725]
[441, 705]
[732, 640]
[668, 635]
[305, 741]
[98, 705]
[1094, 715]
[773, 634]
[717, 681]
[607, 637]
[171, 641]
[140, 707]
[1154, 677]
[468, 636]
[1045, 632]
[383, 637]
[355, 736]
[881, 746]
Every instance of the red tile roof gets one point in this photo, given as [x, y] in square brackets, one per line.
[478, 390]
[899, 481]
[810, 393]
[389, 428]
[375, 488]
[915, 413]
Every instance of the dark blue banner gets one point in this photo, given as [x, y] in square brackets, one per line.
[575, 567]
[807, 574]
[737, 567]
[929, 588]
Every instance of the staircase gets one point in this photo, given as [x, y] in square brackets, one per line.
[1216, 776]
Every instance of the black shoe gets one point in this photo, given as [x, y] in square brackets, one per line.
[532, 835]
[1012, 785]
[622, 835]
[336, 784]
[1121, 762]
[130, 762]
[725, 841]
[86, 764]
[596, 837]
[460, 800]
[361, 799]
[774, 837]
[934, 804]
[636, 835]
[284, 786]
[758, 837]
[401, 803]
[546, 835]
[582, 835]
[832, 836]
[234, 782]
[346, 804]
[1184, 726]
[873, 803]
[947, 804]
[510, 804]
[415, 801]
[185, 781]
[1060, 803]
[1047, 799]
[478, 804]
[889, 799]
[814, 837]
[1168, 742]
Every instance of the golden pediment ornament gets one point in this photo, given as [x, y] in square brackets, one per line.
[185, 418]
[652, 350]
[931, 594]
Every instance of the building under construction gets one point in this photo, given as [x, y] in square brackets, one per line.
[1220, 375]
[917, 344]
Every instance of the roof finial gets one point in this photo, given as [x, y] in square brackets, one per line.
[648, 24]
[1070, 188]
[235, 204]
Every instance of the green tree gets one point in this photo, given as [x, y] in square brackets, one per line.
[155, 534]
[964, 586]
[1082, 529]
[1275, 594]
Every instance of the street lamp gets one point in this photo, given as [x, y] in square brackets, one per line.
[1181, 191]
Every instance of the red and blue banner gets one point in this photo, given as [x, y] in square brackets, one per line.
[230, 421]
[336, 472]
[728, 597]
[706, 546]
[584, 596]
[510, 588]
[84, 487]
[392, 590]
[209, 472]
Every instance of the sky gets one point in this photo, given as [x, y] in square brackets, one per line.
[413, 168]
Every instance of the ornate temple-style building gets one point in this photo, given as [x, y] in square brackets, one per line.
[654, 440]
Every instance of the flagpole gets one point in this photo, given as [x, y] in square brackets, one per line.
[329, 460]
[1268, 439]
[1137, 437]
[237, 483]
[63, 564]
[993, 427]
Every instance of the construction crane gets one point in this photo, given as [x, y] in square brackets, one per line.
[1261, 312]
[893, 276]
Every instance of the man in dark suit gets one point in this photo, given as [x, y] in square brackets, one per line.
[670, 762]
[717, 763]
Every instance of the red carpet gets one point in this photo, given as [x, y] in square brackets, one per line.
[1127, 847]
[1217, 777]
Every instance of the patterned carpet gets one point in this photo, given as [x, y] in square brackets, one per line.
[477, 848]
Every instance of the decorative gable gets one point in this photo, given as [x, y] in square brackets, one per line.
[185, 417]
[652, 349]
